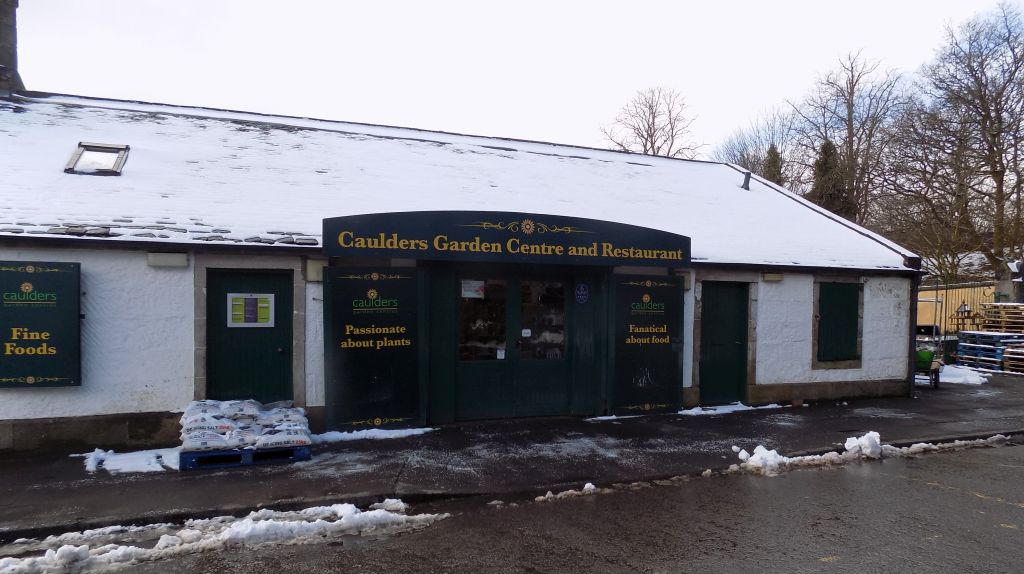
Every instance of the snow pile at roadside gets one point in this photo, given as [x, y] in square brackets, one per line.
[337, 436]
[587, 490]
[155, 460]
[958, 375]
[610, 418]
[94, 549]
[725, 409]
[869, 446]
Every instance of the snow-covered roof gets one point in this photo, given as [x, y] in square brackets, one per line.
[197, 175]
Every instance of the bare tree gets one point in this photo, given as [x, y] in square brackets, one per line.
[960, 153]
[749, 147]
[853, 106]
[654, 122]
[930, 205]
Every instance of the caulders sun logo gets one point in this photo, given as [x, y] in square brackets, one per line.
[27, 295]
[647, 305]
[374, 303]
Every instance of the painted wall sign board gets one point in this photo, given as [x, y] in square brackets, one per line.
[509, 237]
[372, 347]
[40, 324]
[648, 344]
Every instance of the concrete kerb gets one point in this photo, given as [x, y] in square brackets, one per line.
[936, 439]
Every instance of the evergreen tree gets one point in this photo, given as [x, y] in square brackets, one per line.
[828, 190]
[773, 165]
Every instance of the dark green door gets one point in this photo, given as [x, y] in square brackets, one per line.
[723, 342]
[249, 335]
[512, 346]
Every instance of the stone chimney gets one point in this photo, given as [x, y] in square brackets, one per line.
[10, 80]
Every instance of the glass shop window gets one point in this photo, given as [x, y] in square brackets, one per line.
[543, 320]
[482, 320]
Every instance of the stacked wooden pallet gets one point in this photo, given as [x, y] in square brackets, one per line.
[1013, 359]
[1003, 317]
[987, 349]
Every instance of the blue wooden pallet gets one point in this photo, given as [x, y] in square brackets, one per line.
[242, 457]
[990, 338]
[969, 350]
[980, 363]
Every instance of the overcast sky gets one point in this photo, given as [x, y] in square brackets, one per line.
[545, 70]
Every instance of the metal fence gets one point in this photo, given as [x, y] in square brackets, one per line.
[954, 307]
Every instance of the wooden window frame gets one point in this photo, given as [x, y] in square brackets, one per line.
[120, 150]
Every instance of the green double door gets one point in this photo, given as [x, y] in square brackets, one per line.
[512, 346]
[249, 335]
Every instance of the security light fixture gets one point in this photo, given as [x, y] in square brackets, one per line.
[97, 159]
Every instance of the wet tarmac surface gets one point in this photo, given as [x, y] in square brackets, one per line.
[961, 511]
[43, 494]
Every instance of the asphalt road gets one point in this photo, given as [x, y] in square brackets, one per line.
[955, 512]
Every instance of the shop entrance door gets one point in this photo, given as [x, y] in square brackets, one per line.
[723, 342]
[512, 345]
[249, 335]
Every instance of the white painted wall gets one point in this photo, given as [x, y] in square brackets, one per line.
[785, 328]
[315, 345]
[137, 338]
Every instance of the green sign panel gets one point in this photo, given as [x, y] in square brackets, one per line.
[40, 329]
[508, 237]
[648, 344]
[372, 343]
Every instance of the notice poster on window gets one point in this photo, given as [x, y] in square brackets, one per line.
[250, 310]
[372, 355]
[472, 289]
[648, 319]
[40, 324]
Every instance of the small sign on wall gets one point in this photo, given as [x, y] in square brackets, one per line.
[40, 325]
[250, 310]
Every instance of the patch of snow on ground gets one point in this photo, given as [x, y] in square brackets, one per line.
[391, 505]
[869, 446]
[337, 436]
[725, 409]
[92, 550]
[587, 490]
[957, 375]
[881, 413]
[154, 460]
[610, 418]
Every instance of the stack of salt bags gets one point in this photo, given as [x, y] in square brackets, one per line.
[223, 425]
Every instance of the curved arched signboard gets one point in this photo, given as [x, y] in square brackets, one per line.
[509, 237]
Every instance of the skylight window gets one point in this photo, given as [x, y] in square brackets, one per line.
[97, 159]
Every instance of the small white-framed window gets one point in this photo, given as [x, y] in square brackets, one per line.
[97, 159]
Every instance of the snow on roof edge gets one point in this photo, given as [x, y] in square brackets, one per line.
[892, 246]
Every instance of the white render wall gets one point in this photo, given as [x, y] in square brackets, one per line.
[315, 345]
[785, 312]
[137, 338]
